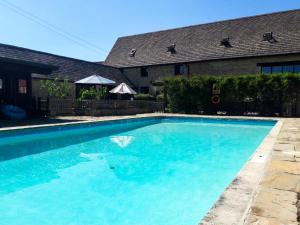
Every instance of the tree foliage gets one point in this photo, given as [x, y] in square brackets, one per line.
[57, 88]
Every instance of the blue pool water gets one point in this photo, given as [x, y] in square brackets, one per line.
[134, 172]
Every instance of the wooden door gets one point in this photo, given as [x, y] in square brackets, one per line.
[21, 90]
[2, 89]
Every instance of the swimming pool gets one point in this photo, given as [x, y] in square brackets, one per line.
[151, 171]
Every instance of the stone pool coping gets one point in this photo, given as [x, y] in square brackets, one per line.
[235, 204]
[88, 119]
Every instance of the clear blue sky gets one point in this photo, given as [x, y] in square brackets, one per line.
[101, 22]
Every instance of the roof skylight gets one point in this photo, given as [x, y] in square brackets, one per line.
[225, 42]
[172, 48]
[268, 36]
[132, 52]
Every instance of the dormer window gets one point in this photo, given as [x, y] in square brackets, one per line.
[132, 52]
[268, 36]
[172, 49]
[225, 42]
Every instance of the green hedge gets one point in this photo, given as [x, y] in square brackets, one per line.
[191, 95]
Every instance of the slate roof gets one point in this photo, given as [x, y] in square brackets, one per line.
[202, 42]
[62, 66]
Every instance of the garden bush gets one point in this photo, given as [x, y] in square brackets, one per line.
[160, 97]
[145, 97]
[92, 93]
[267, 92]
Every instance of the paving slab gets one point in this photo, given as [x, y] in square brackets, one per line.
[273, 203]
[284, 147]
[258, 220]
[283, 156]
[284, 167]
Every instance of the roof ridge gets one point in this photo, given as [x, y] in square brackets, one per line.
[52, 54]
[214, 22]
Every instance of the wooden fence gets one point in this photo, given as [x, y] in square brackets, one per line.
[64, 107]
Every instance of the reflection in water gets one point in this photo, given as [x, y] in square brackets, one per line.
[122, 141]
[90, 156]
[26, 144]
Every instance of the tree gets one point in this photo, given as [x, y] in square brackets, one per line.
[57, 88]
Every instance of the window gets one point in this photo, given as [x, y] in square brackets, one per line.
[144, 72]
[179, 69]
[1, 84]
[285, 67]
[288, 69]
[266, 69]
[296, 68]
[144, 90]
[22, 86]
[276, 69]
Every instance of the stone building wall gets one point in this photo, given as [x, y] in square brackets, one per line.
[154, 73]
[237, 66]
[241, 66]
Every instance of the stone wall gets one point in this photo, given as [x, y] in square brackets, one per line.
[215, 67]
[154, 73]
[237, 66]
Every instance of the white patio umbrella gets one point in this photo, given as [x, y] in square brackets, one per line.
[95, 79]
[123, 89]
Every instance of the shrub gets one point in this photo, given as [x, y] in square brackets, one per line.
[92, 93]
[145, 97]
[160, 97]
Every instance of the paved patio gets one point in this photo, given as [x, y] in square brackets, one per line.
[278, 199]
